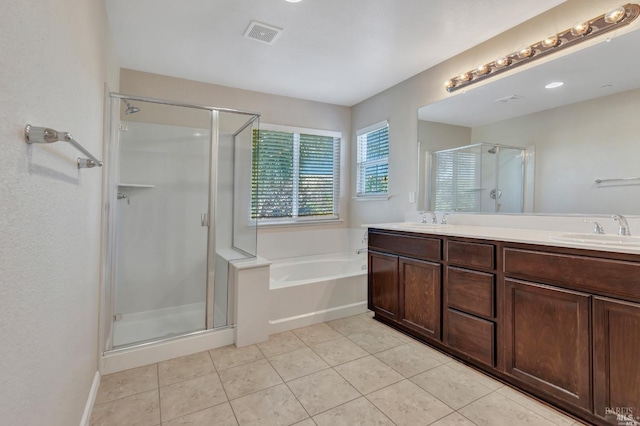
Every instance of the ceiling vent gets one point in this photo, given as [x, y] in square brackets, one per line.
[508, 99]
[262, 32]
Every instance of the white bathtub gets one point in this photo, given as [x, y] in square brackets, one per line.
[314, 289]
[308, 270]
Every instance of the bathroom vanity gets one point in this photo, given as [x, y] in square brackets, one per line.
[554, 319]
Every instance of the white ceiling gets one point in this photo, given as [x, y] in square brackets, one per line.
[603, 69]
[334, 51]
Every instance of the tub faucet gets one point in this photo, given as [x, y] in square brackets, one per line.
[624, 226]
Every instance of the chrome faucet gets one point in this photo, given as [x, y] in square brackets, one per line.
[597, 228]
[624, 226]
[443, 220]
[434, 218]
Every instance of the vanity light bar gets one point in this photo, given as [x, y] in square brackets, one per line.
[586, 30]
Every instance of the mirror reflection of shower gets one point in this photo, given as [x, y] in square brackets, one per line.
[130, 108]
[479, 178]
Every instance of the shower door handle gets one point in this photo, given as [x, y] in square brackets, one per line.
[204, 219]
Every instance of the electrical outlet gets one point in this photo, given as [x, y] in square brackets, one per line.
[412, 197]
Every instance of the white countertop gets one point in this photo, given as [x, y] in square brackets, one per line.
[515, 235]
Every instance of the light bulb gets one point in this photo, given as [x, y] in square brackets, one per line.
[551, 41]
[526, 52]
[503, 62]
[581, 29]
[449, 84]
[466, 76]
[614, 15]
[483, 69]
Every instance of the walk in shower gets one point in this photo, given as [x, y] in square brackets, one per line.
[479, 178]
[177, 208]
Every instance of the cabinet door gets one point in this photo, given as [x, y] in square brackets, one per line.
[383, 285]
[547, 340]
[420, 297]
[616, 381]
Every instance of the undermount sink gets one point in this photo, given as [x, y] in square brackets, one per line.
[599, 239]
[417, 225]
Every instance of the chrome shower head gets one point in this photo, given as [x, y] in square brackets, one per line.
[493, 149]
[130, 109]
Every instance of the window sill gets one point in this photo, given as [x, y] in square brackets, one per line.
[372, 198]
[288, 223]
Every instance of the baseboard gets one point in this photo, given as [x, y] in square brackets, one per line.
[124, 359]
[86, 416]
[311, 318]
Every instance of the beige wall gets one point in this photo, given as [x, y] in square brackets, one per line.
[279, 110]
[399, 104]
[56, 57]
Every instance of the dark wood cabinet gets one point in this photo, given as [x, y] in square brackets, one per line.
[562, 324]
[472, 255]
[413, 246]
[469, 301]
[474, 337]
[547, 340]
[383, 285]
[419, 285]
[405, 281]
[471, 291]
[616, 353]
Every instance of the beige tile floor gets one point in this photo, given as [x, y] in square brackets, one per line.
[351, 371]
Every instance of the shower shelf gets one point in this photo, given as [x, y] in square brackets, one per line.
[136, 185]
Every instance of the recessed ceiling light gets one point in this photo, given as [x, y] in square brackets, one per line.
[294, 1]
[554, 85]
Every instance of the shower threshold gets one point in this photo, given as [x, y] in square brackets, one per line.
[157, 324]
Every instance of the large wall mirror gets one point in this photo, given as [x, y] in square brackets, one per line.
[584, 136]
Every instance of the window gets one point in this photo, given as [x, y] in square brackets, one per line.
[296, 174]
[373, 160]
[457, 180]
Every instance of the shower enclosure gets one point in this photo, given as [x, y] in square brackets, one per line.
[177, 208]
[478, 178]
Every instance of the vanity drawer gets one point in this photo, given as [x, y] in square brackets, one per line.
[471, 291]
[470, 335]
[476, 255]
[601, 276]
[406, 245]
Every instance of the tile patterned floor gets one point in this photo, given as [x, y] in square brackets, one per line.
[351, 371]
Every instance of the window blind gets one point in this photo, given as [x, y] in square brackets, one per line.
[273, 173]
[457, 181]
[318, 175]
[295, 175]
[373, 161]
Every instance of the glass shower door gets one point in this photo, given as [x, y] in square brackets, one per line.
[510, 180]
[162, 233]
